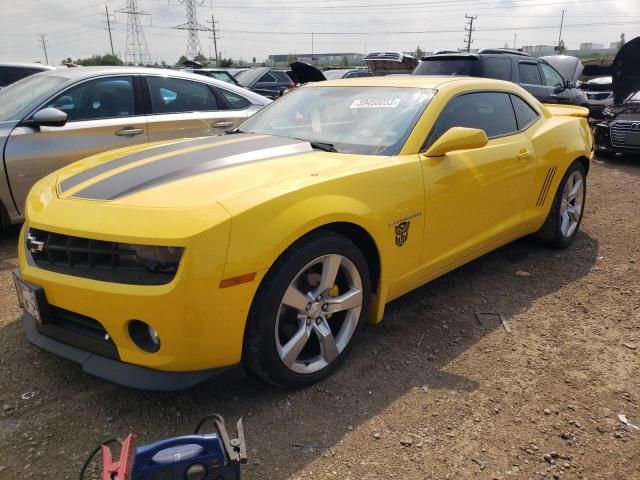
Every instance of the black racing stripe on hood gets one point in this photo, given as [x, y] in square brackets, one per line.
[188, 164]
[136, 157]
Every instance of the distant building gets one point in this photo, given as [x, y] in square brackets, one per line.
[591, 46]
[539, 50]
[615, 45]
[318, 58]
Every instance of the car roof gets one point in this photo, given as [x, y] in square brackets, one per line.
[88, 72]
[413, 81]
[26, 64]
[73, 75]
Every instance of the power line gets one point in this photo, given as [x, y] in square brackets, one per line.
[137, 51]
[192, 25]
[469, 31]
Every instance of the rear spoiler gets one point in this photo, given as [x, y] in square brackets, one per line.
[567, 110]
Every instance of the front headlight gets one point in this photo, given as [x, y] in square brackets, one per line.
[159, 259]
[153, 258]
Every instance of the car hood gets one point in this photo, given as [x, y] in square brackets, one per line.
[389, 63]
[626, 70]
[600, 81]
[569, 67]
[236, 171]
[305, 73]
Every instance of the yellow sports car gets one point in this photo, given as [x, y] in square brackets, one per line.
[157, 266]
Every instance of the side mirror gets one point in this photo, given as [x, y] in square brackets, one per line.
[458, 138]
[49, 117]
[568, 84]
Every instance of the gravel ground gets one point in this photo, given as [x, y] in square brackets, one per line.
[428, 394]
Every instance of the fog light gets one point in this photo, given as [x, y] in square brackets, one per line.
[155, 338]
[144, 336]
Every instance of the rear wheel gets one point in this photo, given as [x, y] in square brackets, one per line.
[566, 212]
[308, 311]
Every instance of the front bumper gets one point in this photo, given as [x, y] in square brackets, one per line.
[119, 372]
[602, 136]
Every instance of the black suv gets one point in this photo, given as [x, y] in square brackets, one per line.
[533, 74]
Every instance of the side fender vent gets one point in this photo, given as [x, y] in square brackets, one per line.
[545, 186]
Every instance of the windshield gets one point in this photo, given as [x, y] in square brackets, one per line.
[17, 96]
[224, 76]
[447, 66]
[249, 77]
[334, 74]
[361, 120]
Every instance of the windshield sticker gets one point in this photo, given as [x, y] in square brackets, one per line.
[375, 103]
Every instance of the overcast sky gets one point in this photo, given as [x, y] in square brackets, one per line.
[257, 28]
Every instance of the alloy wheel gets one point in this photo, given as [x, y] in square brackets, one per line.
[318, 314]
[571, 204]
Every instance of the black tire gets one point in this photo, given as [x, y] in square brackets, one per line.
[551, 232]
[260, 354]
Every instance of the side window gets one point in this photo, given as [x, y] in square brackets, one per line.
[282, 77]
[525, 114]
[109, 97]
[530, 74]
[498, 68]
[267, 78]
[488, 111]
[551, 77]
[236, 102]
[175, 95]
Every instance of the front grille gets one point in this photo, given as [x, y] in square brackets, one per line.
[78, 331]
[93, 259]
[625, 134]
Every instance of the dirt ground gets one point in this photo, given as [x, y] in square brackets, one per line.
[428, 394]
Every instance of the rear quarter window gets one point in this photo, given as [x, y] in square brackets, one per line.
[525, 114]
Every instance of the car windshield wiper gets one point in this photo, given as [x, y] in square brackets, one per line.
[327, 147]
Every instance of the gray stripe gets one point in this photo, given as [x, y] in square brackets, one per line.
[136, 157]
[189, 164]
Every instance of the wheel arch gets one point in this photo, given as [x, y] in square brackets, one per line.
[362, 239]
[585, 163]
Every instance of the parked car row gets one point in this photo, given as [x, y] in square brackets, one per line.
[58, 116]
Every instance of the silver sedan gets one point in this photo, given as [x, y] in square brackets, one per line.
[54, 118]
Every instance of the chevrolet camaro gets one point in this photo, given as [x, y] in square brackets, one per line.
[157, 266]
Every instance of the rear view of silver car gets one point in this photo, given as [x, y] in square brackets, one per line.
[54, 118]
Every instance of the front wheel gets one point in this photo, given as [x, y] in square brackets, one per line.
[566, 212]
[307, 312]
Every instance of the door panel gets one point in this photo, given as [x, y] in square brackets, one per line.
[32, 153]
[475, 198]
[183, 108]
[194, 124]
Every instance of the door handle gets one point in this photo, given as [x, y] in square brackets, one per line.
[524, 155]
[222, 124]
[129, 132]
